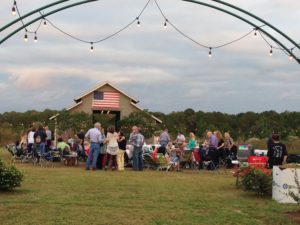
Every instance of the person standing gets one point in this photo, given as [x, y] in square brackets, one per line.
[49, 137]
[122, 151]
[221, 144]
[212, 153]
[80, 136]
[229, 146]
[112, 147]
[30, 140]
[137, 140]
[102, 153]
[164, 138]
[180, 138]
[277, 152]
[95, 138]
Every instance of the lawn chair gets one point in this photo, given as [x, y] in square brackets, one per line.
[163, 162]
[46, 158]
[16, 153]
[186, 159]
[211, 160]
[149, 162]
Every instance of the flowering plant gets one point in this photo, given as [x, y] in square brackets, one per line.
[256, 179]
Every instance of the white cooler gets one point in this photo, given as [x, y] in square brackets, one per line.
[283, 183]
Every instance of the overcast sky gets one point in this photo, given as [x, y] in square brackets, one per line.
[157, 66]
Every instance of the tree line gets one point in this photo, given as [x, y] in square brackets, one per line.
[242, 125]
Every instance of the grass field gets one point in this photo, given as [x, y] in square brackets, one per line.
[62, 195]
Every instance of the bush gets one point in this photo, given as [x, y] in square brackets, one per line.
[258, 180]
[10, 177]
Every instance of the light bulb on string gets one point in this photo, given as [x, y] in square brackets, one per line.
[291, 55]
[271, 51]
[35, 38]
[45, 23]
[166, 23]
[138, 22]
[210, 53]
[13, 10]
[92, 47]
[25, 36]
[255, 33]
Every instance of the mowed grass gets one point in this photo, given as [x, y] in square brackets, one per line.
[62, 195]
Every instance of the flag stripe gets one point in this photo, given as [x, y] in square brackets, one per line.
[110, 100]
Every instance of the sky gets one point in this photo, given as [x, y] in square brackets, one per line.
[163, 70]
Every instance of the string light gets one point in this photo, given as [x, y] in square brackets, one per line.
[210, 53]
[92, 47]
[166, 23]
[138, 22]
[25, 36]
[291, 55]
[35, 38]
[13, 10]
[255, 34]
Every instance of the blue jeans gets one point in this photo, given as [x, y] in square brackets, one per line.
[41, 147]
[164, 143]
[138, 163]
[94, 152]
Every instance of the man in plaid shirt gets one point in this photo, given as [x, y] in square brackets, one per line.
[137, 140]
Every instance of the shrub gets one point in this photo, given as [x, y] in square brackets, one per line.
[10, 177]
[258, 180]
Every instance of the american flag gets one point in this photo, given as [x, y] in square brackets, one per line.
[106, 100]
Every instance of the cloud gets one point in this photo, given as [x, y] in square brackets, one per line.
[158, 66]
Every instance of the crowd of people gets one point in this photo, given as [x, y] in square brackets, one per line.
[107, 150]
[211, 150]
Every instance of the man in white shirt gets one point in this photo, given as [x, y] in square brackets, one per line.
[95, 138]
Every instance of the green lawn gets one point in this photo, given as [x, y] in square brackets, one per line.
[63, 195]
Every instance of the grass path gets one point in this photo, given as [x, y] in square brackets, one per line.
[62, 195]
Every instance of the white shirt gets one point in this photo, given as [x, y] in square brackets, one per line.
[30, 137]
[94, 135]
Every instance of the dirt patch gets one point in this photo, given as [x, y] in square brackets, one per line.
[294, 216]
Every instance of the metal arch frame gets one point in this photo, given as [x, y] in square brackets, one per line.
[249, 22]
[44, 16]
[259, 19]
[192, 1]
[31, 13]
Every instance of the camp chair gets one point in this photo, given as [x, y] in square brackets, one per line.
[46, 158]
[223, 165]
[211, 161]
[16, 153]
[149, 162]
[186, 159]
[163, 162]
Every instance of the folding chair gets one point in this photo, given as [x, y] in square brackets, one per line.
[163, 162]
[149, 162]
[186, 159]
